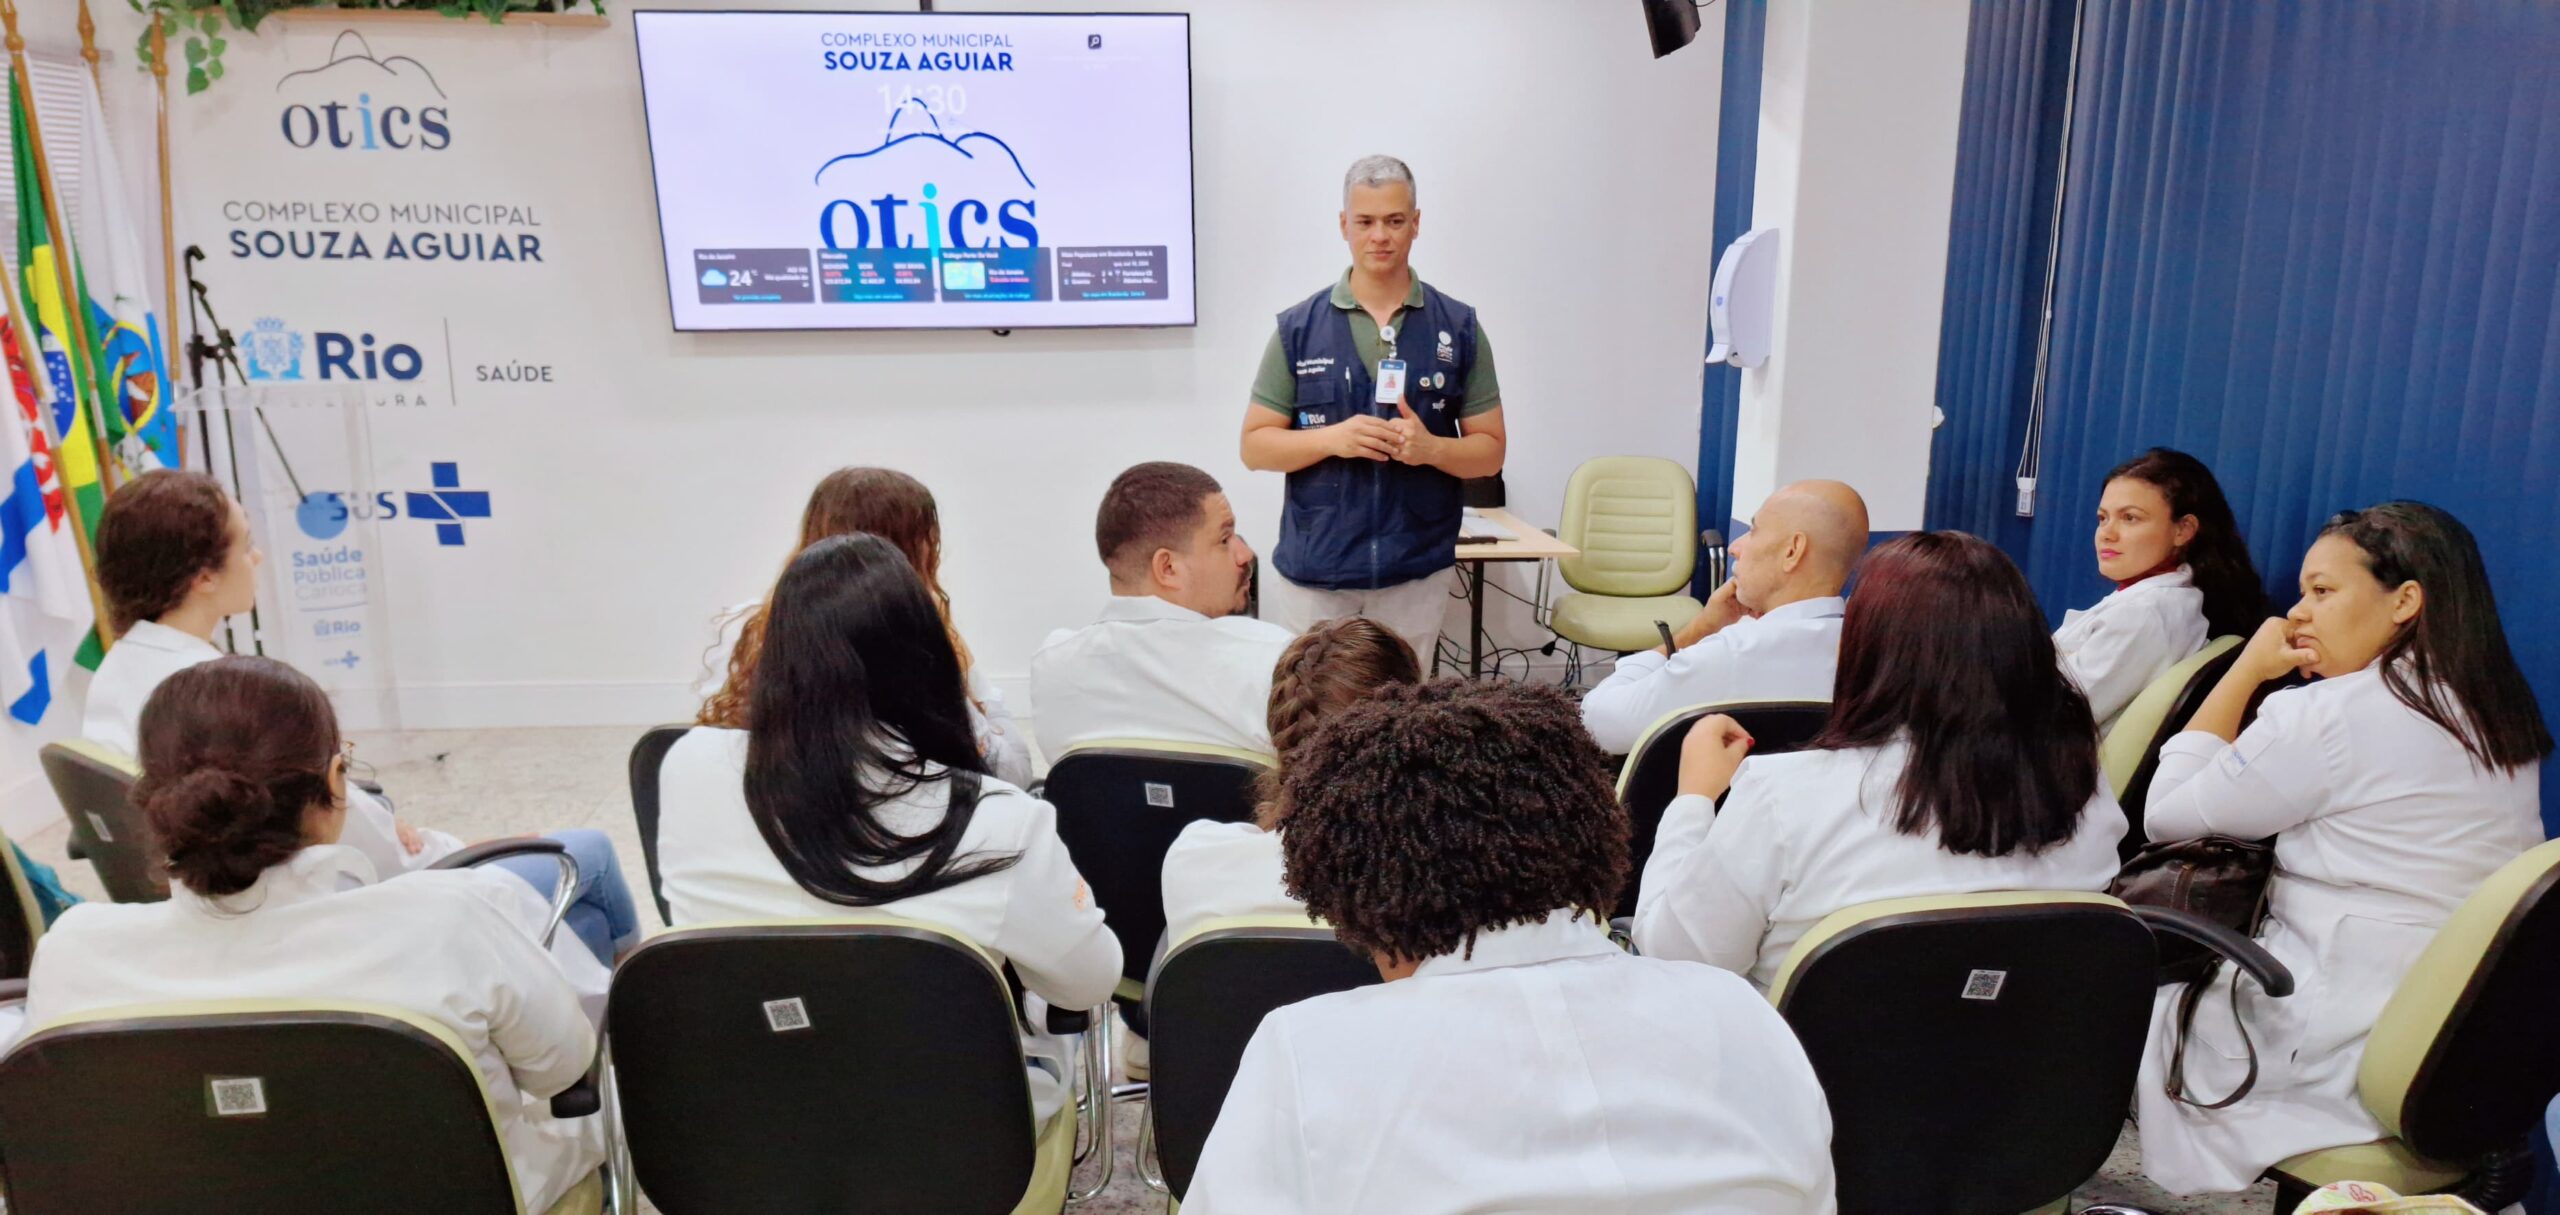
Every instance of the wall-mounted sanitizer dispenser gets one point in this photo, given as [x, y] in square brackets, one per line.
[1746, 281]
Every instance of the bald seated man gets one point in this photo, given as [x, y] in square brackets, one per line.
[1771, 632]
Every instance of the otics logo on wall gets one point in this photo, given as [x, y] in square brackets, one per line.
[361, 102]
[369, 113]
[323, 514]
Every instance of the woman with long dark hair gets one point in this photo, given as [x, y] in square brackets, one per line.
[899, 509]
[2167, 539]
[1957, 758]
[244, 784]
[2394, 784]
[1216, 870]
[857, 782]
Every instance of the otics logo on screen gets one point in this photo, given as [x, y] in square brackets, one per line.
[987, 204]
[359, 102]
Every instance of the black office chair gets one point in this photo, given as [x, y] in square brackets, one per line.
[842, 1065]
[1204, 1000]
[646, 756]
[2462, 1062]
[1651, 777]
[177, 1109]
[94, 783]
[2130, 753]
[1979, 1051]
[21, 920]
[1120, 804]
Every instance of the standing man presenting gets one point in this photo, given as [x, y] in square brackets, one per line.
[1377, 397]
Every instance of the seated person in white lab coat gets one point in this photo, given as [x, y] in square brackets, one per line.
[1771, 632]
[244, 783]
[1464, 836]
[899, 509]
[2167, 539]
[1957, 759]
[1169, 659]
[174, 560]
[858, 786]
[2393, 785]
[1216, 870]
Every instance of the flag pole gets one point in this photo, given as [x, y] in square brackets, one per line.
[89, 51]
[74, 306]
[32, 359]
[168, 232]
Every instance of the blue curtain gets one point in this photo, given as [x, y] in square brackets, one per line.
[1737, 168]
[2316, 245]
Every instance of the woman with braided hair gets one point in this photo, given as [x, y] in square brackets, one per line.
[1217, 870]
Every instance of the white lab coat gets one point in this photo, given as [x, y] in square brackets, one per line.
[2383, 826]
[1544, 1071]
[150, 653]
[1153, 669]
[1216, 871]
[1005, 743]
[1808, 833]
[1790, 653]
[462, 947]
[2115, 647]
[1037, 914]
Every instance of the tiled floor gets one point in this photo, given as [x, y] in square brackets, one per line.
[479, 784]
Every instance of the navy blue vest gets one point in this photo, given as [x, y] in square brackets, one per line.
[1353, 524]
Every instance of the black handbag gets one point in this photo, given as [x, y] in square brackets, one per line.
[2223, 879]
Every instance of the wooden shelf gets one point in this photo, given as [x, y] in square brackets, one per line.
[415, 16]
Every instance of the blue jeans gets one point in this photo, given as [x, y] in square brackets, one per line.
[603, 915]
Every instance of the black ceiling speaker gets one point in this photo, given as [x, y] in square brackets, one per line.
[1673, 24]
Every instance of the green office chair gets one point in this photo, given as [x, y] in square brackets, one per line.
[2130, 753]
[2463, 1061]
[1635, 518]
[646, 757]
[94, 783]
[1205, 999]
[1121, 801]
[259, 1105]
[1651, 777]
[1979, 1051]
[869, 1063]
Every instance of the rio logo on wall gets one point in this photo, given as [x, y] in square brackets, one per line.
[324, 514]
[277, 353]
[361, 102]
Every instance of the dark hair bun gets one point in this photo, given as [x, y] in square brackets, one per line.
[220, 829]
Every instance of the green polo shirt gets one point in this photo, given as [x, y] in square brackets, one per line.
[1275, 388]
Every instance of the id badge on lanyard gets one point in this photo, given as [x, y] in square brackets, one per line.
[1390, 369]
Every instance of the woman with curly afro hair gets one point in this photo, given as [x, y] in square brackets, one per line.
[1463, 836]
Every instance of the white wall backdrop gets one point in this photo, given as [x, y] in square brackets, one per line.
[647, 477]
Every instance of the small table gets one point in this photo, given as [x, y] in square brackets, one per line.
[1527, 543]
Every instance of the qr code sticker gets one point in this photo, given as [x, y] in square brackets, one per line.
[98, 827]
[786, 1015]
[1159, 795]
[1985, 984]
[237, 1096]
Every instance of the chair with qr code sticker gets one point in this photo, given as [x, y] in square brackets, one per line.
[1120, 804]
[865, 1063]
[260, 1105]
[95, 783]
[1980, 1050]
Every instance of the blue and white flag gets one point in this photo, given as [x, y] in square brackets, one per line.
[43, 591]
